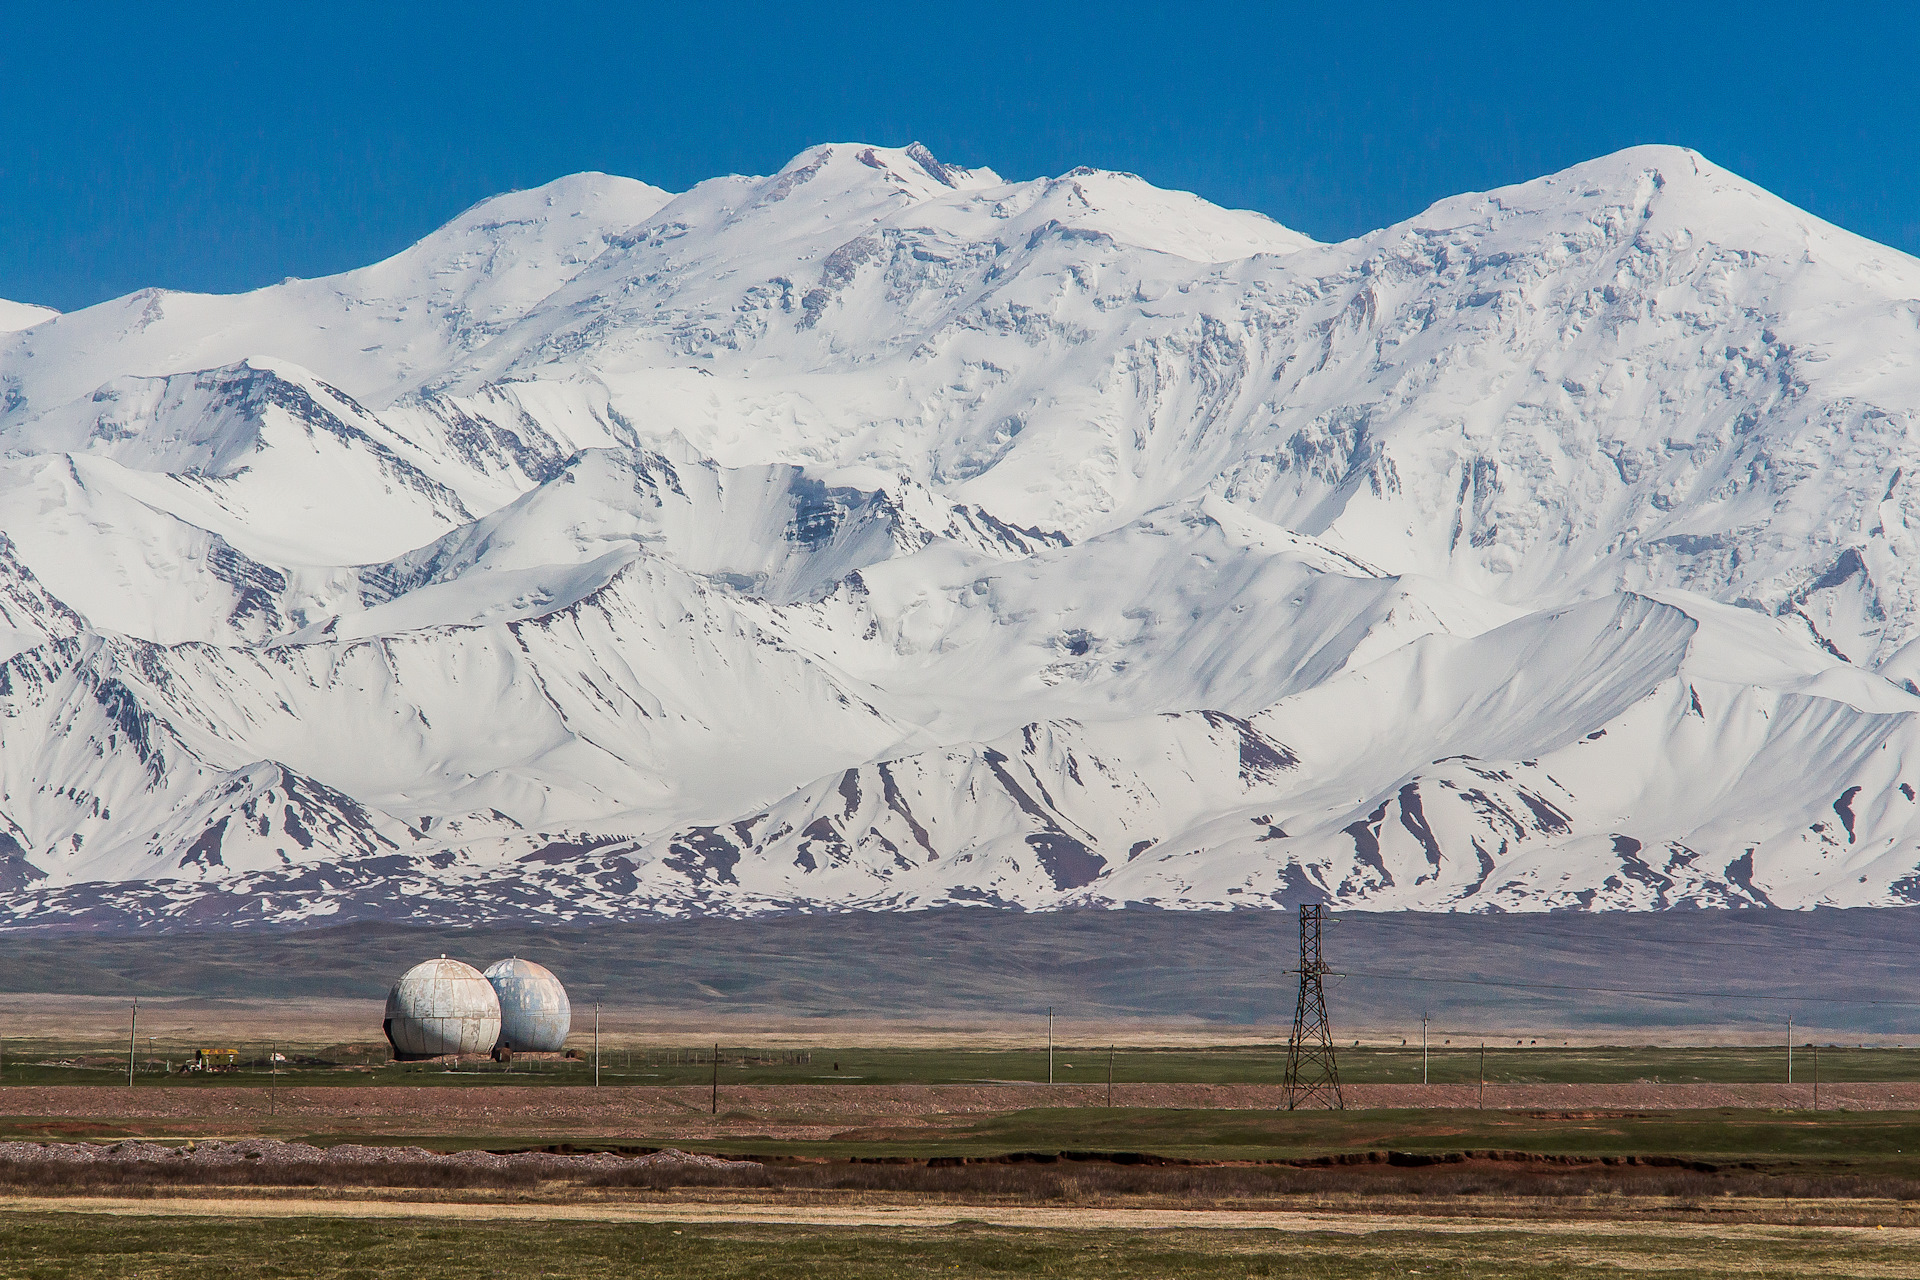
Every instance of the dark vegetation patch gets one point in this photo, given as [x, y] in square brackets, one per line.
[152, 1177]
[1036, 1177]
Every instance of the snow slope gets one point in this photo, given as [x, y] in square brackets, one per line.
[15, 316]
[881, 533]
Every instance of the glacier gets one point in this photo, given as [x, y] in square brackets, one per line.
[882, 534]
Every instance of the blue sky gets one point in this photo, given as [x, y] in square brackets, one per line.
[219, 147]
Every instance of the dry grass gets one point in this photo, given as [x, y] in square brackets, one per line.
[307, 1023]
[1092, 1182]
[75, 1178]
[1465, 1187]
[334, 1244]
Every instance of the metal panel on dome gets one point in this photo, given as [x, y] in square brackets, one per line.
[439, 1007]
[535, 1014]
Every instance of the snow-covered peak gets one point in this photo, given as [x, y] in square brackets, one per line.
[831, 189]
[1665, 197]
[15, 316]
[504, 254]
[878, 532]
[1135, 212]
[912, 169]
[371, 331]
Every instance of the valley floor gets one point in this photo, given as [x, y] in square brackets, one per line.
[102, 1239]
[885, 1120]
[911, 1180]
[984, 979]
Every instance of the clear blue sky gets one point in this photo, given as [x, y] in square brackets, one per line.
[217, 147]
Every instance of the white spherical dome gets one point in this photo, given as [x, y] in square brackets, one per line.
[535, 1014]
[442, 1006]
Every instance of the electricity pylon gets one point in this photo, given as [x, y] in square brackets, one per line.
[1313, 1077]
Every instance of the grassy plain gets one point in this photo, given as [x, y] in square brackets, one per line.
[866, 1176]
[1883, 1140]
[85, 1246]
[1864, 1143]
[868, 1173]
[52, 1062]
[1271, 1194]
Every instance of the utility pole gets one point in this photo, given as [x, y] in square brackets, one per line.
[1816, 1077]
[1313, 1077]
[1483, 1075]
[1110, 1049]
[1423, 1046]
[1789, 1048]
[596, 1044]
[716, 1079]
[133, 1029]
[1049, 1044]
[273, 1077]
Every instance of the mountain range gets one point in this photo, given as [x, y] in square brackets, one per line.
[884, 534]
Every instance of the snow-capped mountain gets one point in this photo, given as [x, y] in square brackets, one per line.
[15, 316]
[883, 534]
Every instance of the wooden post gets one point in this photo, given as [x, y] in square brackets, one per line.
[1483, 1075]
[133, 1029]
[716, 1079]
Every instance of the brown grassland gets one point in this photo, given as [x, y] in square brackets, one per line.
[871, 1187]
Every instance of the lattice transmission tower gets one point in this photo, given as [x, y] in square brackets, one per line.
[1313, 1077]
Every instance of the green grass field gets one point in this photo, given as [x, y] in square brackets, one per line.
[1071, 1065]
[45, 1246]
[1860, 1140]
[1865, 1143]
[1708, 1218]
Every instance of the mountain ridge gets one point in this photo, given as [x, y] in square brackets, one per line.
[881, 533]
